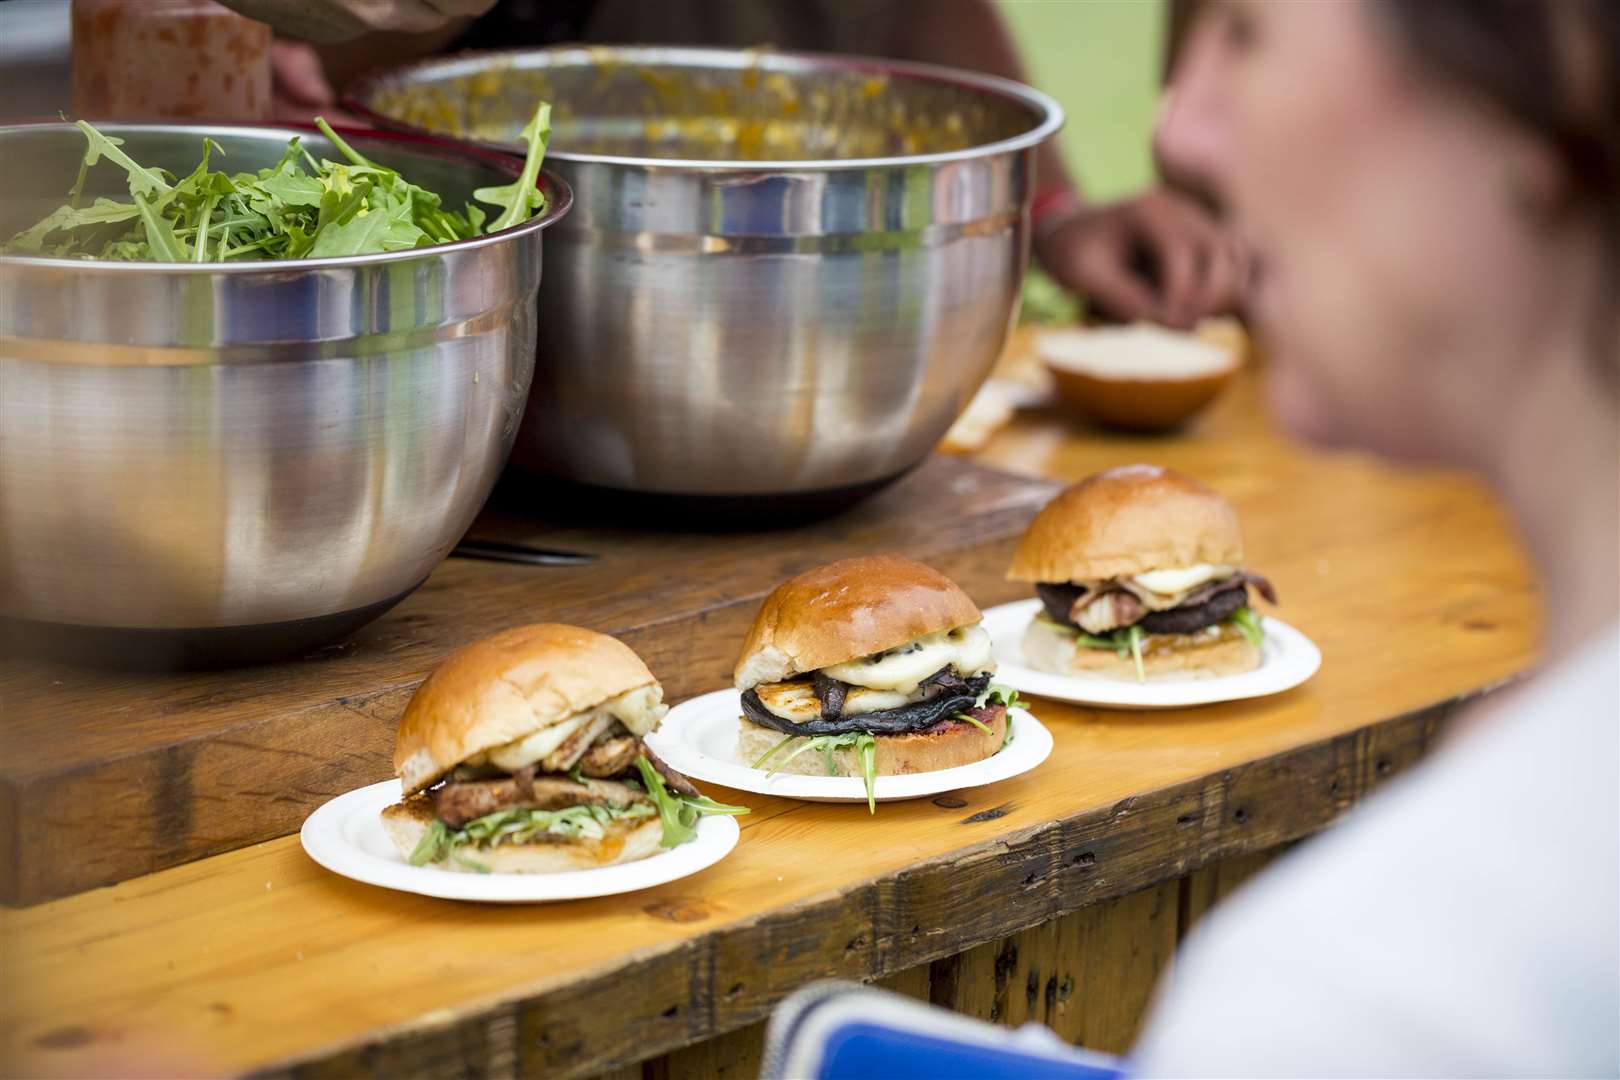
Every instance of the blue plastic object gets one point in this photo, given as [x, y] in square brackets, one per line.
[845, 1031]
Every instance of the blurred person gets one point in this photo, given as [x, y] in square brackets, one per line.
[1157, 256]
[1429, 191]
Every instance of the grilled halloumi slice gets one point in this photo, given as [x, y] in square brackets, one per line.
[797, 701]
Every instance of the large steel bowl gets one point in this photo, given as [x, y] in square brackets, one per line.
[228, 460]
[784, 274]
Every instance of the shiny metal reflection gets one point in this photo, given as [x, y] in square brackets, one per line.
[726, 328]
[186, 447]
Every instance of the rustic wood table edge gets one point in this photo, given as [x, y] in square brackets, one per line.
[423, 987]
[598, 1022]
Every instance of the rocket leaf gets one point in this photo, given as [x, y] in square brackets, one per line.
[298, 208]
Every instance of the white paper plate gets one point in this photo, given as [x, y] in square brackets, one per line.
[346, 836]
[699, 738]
[1288, 659]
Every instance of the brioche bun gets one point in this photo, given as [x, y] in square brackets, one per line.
[845, 610]
[505, 687]
[915, 752]
[624, 840]
[1128, 521]
[1202, 655]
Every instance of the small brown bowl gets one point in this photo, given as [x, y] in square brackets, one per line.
[1150, 396]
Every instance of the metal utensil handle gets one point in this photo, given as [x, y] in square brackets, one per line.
[500, 551]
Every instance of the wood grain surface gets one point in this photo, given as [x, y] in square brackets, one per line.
[109, 775]
[1087, 975]
[258, 959]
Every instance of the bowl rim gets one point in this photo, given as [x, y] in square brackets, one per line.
[559, 198]
[357, 96]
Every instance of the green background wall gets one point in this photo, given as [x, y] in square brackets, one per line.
[1101, 59]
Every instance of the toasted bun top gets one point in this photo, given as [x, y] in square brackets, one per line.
[505, 687]
[848, 609]
[1127, 521]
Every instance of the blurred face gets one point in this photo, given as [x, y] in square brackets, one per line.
[1399, 280]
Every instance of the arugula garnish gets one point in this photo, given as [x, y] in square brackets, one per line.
[864, 743]
[968, 718]
[1248, 622]
[866, 747]
[434, 845]
[999, 694]
[1127, 641]
[679, 813]
[522, 198]
[994, 694]
[142, 181]
[1133, 636]
[299, 208]
[516, 826]
[1117, 641]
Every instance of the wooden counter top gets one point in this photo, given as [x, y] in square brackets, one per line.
[258, 959]
[112, 774]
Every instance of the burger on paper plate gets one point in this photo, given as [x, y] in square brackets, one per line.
[868, 667]
[1140, 575]
[522, 753]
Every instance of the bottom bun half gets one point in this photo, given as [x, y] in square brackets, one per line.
[625, 840]
[1202, 655]
[957, 744]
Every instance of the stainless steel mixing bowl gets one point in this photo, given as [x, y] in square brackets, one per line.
[258, 455]
[783, 274]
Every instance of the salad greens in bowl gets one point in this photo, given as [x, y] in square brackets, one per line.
[300, 207]
[247, 411]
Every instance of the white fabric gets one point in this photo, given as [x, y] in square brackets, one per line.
[1462, 924]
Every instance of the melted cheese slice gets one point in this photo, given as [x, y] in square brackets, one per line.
[797, 701]
[639, 710]
[1181, 579]
[531, 748]
[966, 648]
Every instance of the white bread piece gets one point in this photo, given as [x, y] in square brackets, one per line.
[1139, 351]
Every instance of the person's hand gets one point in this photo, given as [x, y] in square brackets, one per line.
[340, 20]
[299, 89]
[1158, 256]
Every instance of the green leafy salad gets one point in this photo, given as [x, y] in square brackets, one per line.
[677, 813]
[1127, 640]
[865, 743]
[299, 208]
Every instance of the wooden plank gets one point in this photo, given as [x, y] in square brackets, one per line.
[738, 1054]
[735, 1055]
[446, 988]
[1203, 889]
[1088, 975]
[913, 982]
[109, 775]
[623, 1072]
